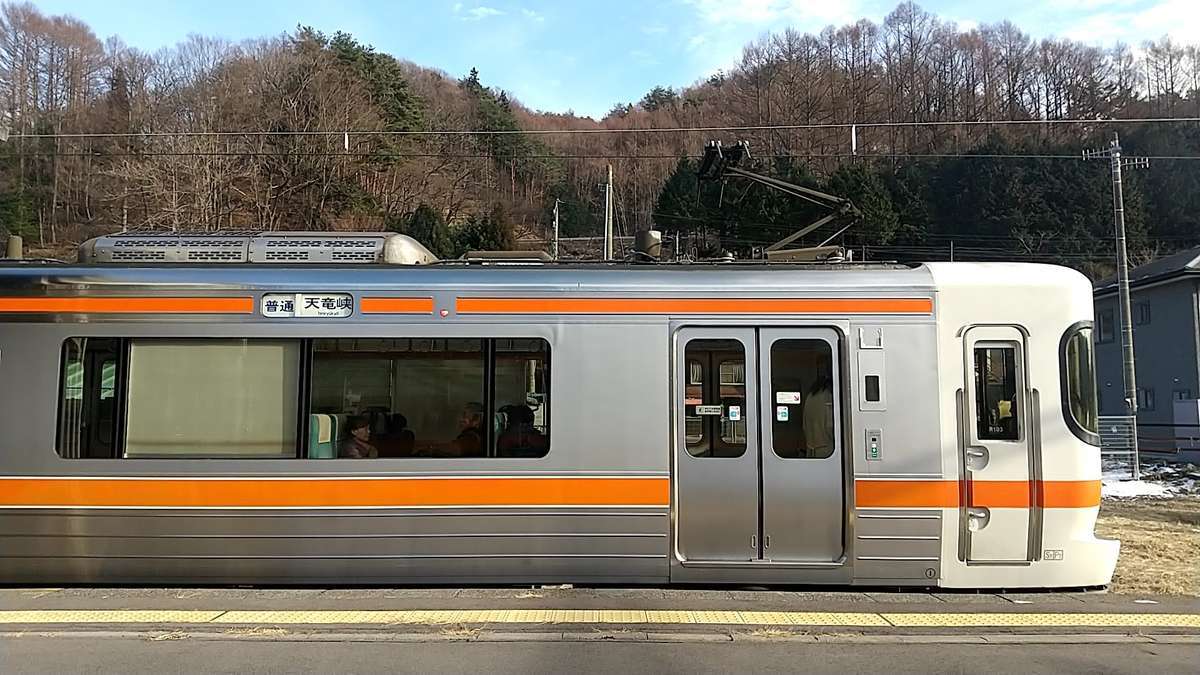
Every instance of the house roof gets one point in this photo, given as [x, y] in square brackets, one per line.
[1175, 265]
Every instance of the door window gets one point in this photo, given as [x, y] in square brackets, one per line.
[715, 398]
[996, 405]
[803, 425]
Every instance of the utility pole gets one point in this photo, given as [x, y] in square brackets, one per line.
[608, 216]
[1113, 153]
[554, 248]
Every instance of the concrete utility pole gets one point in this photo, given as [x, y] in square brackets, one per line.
[1113, 153]
[608, 216]
[554, 248]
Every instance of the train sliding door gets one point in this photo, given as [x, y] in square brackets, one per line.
[716, 459]
[758, 459]
[999, 493]
[802, 509]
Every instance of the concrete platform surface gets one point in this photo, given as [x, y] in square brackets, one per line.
[426, 610]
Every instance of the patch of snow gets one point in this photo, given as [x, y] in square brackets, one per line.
[1128, 489]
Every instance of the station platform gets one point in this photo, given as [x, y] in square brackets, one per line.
[564, 613]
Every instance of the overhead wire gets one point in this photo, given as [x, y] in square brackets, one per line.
[631, 130]
[419, 155]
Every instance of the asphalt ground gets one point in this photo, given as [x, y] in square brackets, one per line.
[180, 654]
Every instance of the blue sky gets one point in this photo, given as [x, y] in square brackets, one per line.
[586, 55]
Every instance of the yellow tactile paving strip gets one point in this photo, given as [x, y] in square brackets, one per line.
[601, 616]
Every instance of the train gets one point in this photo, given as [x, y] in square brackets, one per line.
[343, 408]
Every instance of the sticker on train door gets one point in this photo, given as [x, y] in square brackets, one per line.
[735, 413]
[781, 413]
[787, 397]
[709, 410]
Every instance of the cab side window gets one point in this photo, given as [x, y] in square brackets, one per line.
[996, 404]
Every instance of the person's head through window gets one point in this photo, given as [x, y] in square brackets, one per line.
[470, 438]
[520, 436]
[471, 417]
[518, 416]
[357, 444]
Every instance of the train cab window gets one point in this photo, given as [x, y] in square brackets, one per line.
[804, 424]
[996, 406]
[1078, 369]
[715, 398]
[448, 398]
[212, 398]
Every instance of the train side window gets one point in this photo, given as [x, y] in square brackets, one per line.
[802, 388]
[714, 407]
[212, 398]
[520, 395]
[997, 409]
[421, 397]
[87, 425]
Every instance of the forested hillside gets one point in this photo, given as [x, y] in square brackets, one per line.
[314, 130]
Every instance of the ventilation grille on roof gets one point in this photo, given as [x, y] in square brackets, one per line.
[305, 247]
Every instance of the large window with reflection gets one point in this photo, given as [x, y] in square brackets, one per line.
[305, 398]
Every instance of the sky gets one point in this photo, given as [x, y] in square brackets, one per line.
[586, 55]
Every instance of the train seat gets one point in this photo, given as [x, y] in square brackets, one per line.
[321, 440]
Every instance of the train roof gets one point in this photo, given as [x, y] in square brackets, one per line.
[557, 277]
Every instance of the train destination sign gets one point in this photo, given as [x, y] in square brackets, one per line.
[307, 305]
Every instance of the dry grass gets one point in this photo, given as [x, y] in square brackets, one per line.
[256, 631]
[771, 633]
[1160, 544]
[461, 632]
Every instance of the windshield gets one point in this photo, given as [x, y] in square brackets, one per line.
[1079, 383]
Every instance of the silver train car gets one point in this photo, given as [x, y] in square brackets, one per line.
[204, 413]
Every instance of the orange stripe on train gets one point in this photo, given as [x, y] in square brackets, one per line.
[950, 494]
[378, 305]
[418, 492]
[568, 305]
[333, 493]
[127, 305]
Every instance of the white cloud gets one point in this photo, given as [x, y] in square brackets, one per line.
[1121, 20]
[479, 13]
[769, 12]
[654, 29]
[457, 7]
[532, 15]
[720, 29]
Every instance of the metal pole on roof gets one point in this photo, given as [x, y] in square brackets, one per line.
[1113, 153]
[608, 216]
[554, 247]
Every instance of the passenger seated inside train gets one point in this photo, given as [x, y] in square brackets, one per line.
[469, 442]
[519, 437]
[395, 439]
[357, 444]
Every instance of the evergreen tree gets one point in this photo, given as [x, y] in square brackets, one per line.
[428, 227]
[489, 231]
[385, 78]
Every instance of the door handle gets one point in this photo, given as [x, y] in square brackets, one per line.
[977, 457]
